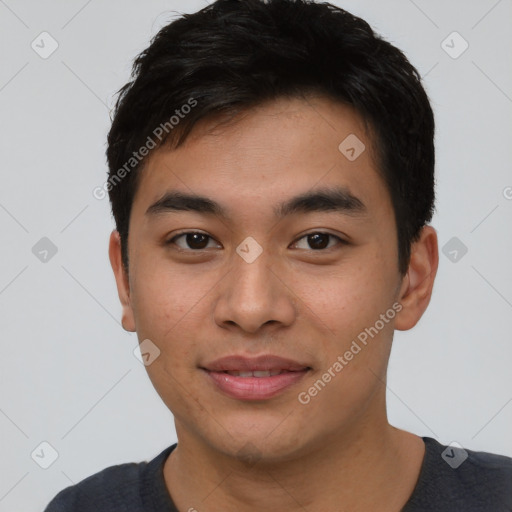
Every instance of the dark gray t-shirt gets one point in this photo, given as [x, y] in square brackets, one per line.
[448, 482]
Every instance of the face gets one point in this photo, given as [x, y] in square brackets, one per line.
[279, 281]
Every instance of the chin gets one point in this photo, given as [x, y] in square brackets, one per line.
[259, 442]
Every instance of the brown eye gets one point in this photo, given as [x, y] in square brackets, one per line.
[193, 240]
[318, 241]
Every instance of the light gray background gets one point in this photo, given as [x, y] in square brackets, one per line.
[68, 373]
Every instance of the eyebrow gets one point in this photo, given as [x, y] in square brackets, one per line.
[332, 199]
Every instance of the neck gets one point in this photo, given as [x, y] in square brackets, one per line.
[365, 470]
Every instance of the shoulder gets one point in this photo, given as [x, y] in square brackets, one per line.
[121, 488]
[109, 489]
[461, 479]
[488, 478]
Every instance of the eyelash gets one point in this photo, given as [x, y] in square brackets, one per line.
[174, 238]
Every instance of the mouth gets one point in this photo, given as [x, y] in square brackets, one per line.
[255, 373]
[258, 378]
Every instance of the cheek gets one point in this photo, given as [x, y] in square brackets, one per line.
[355, 348]
[165, 298]
[346, 308]
[345, 301]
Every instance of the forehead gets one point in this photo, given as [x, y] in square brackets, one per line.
[267, 154]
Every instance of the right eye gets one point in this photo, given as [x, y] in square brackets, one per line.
[193, 240]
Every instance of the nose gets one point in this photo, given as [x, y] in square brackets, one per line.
[254, 295]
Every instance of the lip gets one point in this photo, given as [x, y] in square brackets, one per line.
[253, 364]
[254, 388]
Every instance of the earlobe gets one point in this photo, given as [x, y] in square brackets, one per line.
[417, 285]
[122, 282]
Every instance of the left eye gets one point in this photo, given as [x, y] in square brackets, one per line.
[318, 241]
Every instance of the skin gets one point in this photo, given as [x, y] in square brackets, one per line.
[338, 452]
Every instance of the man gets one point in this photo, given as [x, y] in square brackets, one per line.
[272, 179]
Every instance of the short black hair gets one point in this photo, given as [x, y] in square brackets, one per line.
[235, 54]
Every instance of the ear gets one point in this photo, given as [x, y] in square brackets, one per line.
[123, 285]
[416, 288]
